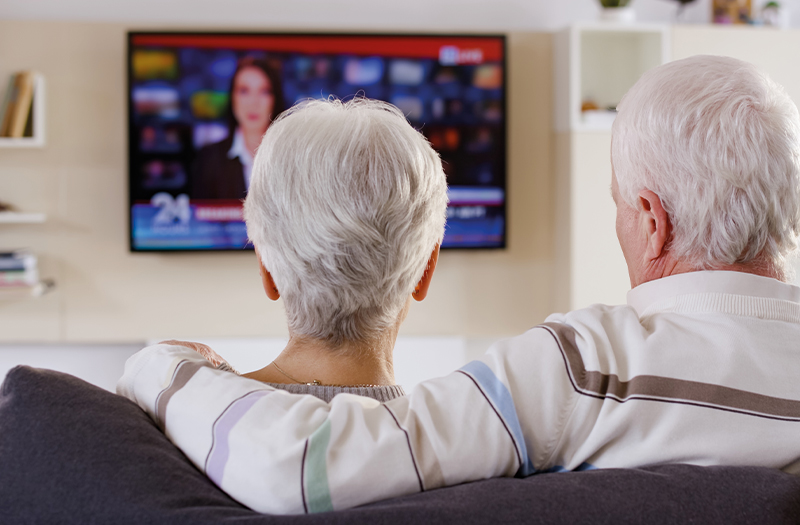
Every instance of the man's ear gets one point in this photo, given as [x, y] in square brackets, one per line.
[655, 224]
[266, 281]
[421, 291]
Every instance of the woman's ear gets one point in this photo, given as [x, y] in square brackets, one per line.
[421, 291]
[266, 281]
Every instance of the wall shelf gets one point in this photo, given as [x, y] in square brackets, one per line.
[13, 217]
[598, 62]
[37, 287]
[594, 65]
[38, 138]
[22, 142]
[34, 290]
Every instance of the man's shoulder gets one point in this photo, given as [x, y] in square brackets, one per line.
[590, 336]
[598, 337]
[594, 323]
[596, 312]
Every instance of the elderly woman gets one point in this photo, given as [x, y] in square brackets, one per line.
[346, 210]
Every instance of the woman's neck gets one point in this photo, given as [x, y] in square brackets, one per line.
[305, 360]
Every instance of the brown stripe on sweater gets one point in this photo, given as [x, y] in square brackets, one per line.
[665, 389]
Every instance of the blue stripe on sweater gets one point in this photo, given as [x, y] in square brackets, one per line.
[500, 398]
[583, 466]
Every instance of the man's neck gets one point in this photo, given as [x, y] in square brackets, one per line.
[305, 360]
[667, 266]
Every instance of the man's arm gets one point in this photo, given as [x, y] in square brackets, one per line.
[281, 453]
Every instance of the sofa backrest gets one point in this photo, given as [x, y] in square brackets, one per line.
[73, 453]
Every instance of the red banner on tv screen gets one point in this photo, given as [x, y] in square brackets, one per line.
[454, 51]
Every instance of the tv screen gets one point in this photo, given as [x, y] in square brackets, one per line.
[199, 102]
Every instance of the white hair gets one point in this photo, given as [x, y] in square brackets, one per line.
[346, 204]
[719, 143]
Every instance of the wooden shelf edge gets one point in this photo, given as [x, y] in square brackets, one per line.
[37, 140]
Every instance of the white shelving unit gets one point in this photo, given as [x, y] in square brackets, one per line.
[596, 61]
[11, 217]
[38, 138]
[599, 62]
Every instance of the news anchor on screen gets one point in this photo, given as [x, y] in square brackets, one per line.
[222, 170]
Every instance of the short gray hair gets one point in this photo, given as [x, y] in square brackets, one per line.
[346, 204]
[719, 143]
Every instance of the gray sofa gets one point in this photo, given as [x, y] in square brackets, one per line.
[73, 453]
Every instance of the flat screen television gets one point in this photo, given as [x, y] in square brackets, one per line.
[189, 155]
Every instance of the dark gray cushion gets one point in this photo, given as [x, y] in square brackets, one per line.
[73, 453]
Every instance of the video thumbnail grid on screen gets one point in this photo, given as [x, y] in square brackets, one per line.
[199, 102]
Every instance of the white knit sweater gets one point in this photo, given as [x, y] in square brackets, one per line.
[700, 368]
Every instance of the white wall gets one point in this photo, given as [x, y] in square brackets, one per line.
[99, 364]
[109, 301]
[423, 15]
[105, 294]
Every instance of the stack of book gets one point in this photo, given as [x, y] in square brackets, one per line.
[18, 269]
[16, 113]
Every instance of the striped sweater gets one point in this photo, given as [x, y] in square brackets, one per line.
[698, 368]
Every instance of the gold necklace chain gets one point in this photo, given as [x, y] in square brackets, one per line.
[317, 382]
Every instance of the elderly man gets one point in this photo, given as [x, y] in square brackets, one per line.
[701, 366]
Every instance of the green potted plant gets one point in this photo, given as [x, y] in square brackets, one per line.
[773, 14]
[617, 11]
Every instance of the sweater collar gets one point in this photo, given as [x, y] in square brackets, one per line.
[736, 283]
